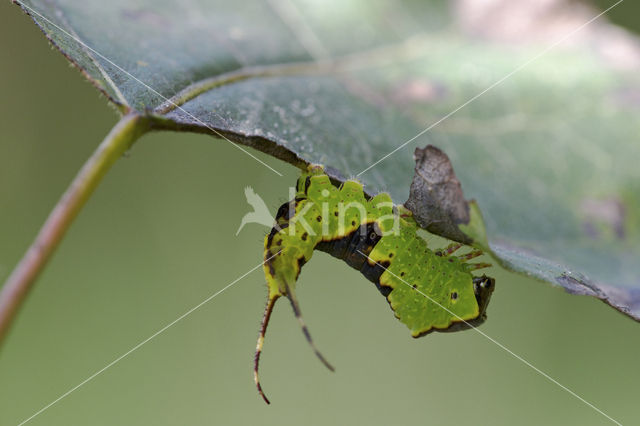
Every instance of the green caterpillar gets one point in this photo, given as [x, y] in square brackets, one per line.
[427, 290]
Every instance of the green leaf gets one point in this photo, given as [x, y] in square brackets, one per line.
[549, 153]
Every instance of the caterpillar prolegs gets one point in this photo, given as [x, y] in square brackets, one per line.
[428, 290]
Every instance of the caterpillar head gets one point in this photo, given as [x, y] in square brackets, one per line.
[483, 288]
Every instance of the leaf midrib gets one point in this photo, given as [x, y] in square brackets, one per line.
[376, 57]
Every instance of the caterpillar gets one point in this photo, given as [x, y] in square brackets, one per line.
[428, 290]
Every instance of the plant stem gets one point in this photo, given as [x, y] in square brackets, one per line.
[15, 289]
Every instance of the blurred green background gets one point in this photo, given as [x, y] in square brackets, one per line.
[158, 237]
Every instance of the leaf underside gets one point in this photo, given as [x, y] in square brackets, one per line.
[549, 153]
